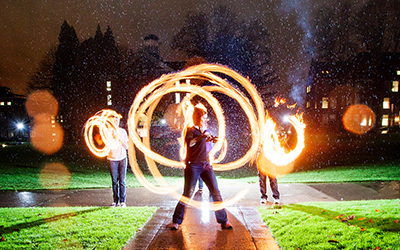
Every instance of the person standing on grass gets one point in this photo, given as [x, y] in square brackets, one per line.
[117, 165]
[198, 165]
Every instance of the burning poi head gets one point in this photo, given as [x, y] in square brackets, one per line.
[276, 157]
[101, 133]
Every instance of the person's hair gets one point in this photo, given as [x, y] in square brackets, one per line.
[198, 113]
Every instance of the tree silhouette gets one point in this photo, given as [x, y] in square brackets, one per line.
[220, 37]
[77, 74]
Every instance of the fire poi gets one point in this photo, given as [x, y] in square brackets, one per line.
[146, 101]
[107, 132]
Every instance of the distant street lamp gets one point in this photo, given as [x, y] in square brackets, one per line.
[20, 126]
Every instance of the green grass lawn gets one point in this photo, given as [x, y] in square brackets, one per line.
[23, 168]
[335, 225]
[70, 227]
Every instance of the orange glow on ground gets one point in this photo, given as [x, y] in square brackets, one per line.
[55, 176]
[359, 119]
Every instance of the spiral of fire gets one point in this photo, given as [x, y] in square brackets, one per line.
[146, 101]
[107, 131]
[148, 98]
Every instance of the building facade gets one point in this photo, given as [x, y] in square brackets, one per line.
[369, 79]
[14, 121]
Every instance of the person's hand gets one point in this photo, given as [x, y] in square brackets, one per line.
[212, 139]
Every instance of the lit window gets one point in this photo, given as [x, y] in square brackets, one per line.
[1, 103]
[308, 104]
[308, 89]
[395, 86]
[8, 103]
[108, 85]
[398, 72]
[109, 101]
[386, 103]
[324, 102]
[385, 120]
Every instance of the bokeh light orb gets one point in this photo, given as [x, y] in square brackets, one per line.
[41, 101]
[55, 176]
[359, 119]
[46, 136]
[174, 116]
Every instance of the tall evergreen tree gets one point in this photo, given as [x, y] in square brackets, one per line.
[220, 37]
[63, 83]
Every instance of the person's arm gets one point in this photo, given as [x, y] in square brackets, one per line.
[193, 141]
[124, 139]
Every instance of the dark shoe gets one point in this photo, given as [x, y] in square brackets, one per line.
[226, 225]
[174, 226]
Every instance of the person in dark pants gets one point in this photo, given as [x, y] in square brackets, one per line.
[263, 188]
[263, 165]
[117, 165]
[198, 165]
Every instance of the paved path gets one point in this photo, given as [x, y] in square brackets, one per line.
[199, 229]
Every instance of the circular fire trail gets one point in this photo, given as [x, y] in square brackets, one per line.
[148, 98]
[263, 128]
[107, 136]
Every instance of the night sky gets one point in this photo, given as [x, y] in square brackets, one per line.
[29, 28]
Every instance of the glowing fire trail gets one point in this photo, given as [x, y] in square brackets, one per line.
[104, 120]
[272, 148]
[152, 94]
[262, 126]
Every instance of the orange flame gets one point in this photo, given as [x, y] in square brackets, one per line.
[272, 143]
[108, 132]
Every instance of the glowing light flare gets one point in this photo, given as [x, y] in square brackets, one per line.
[148, 98]
[268, 168]
[272, 146]
[174, 117]
[45, 136]
[41, 101]
[55, 176]
[108, 132]
[358, 119]
[279, 101]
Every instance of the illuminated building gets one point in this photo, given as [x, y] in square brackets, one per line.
[12, 113]
[370, 79]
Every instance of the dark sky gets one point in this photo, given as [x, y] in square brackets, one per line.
[30, 27]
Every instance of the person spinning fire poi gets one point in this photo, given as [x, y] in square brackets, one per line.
[264, 170]
[209, 145]
[198, 165]
[117, 165]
